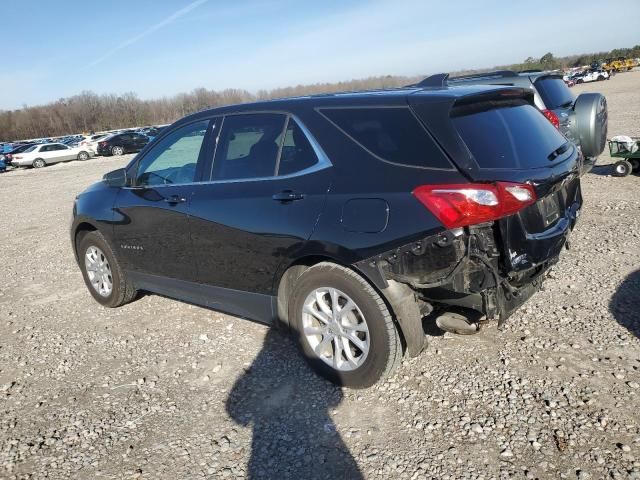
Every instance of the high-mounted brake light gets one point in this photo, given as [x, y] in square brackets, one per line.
[552, 117]
[459, 205]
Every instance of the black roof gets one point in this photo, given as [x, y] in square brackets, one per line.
[388, 97]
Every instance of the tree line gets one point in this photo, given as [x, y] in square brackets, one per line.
[89, 111]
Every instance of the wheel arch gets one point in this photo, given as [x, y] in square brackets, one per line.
[399, 299]
[79, 232]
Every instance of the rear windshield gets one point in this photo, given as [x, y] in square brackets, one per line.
[554, 92]
[517, 136]
[392, 134]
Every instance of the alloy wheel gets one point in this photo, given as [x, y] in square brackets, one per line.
[335, 328]
[98, 271]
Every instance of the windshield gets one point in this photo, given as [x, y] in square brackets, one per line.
[516, 136]
[554, 92]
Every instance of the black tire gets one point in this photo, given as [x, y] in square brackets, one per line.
[123, 290]
[38, 163]
[635, 164]
[579, 81]
[82, 156]
[117, 150]
[622, 168]
[385, 348]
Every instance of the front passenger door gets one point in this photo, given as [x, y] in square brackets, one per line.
[152, 223]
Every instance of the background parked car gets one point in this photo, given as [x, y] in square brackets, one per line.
[3, 165]
[39, 156]
[582, 119]
[7, 157]
[122, 143]
[91, 142]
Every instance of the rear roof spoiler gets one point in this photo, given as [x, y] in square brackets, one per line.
[441, 80]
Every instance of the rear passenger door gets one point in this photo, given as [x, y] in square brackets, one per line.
[267, 184]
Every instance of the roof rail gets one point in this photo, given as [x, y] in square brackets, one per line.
[439, 80]
[494, 74]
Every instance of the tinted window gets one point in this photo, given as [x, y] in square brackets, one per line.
[516, 136]
[174, 159]
[554, 92]
[392, 134]
[248, 146]
[31, 148]
[123, 138]
[297, 152]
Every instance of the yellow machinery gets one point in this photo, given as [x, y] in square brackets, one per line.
[620, 64]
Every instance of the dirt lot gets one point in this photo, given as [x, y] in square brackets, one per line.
[161, 389]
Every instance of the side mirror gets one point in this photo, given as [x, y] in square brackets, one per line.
[116, 178]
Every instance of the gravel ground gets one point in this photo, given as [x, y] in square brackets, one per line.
[161, 389]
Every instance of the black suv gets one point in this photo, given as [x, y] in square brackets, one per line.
[582, 119]
[347, 218]
[122, 143]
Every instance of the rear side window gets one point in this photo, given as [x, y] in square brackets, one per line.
[554, 92]
[392, 134]
[514, 137]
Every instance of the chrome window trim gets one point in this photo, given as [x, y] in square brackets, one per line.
[322, 163]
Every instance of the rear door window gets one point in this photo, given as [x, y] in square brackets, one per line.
[392, 134]
[297, 152]
[554, 92]
[248, 146]
[517, 136]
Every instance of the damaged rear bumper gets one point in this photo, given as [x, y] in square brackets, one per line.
[472, 267]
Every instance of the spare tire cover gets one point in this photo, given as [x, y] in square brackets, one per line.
[591, 122]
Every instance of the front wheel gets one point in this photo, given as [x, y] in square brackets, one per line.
[343, 326]
[622, 168]
[106, 281]
[117, 150]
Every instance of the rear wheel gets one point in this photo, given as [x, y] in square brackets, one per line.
[82, 156]
[622, 168]
[343, 326]
[39, 163]
[117, 150]
[106, 281]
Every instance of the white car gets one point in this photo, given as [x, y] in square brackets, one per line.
[39, 156]
[91, 142]
[593, 76]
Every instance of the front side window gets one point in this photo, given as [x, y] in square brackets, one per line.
[248, 146]
[174, 159]
[297, 152]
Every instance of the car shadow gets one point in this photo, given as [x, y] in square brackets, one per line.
[602, 170]
[288, 406]
[625, 303]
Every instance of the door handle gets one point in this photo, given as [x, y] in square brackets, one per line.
[287, 196]
[175, 199]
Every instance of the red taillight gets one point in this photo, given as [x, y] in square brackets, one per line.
[552, 117]
[102, 144]
[468, 204]
[17, 157]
